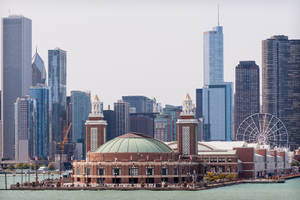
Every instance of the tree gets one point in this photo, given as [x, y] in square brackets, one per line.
[26, 165]
[11, 167]
[50, 166]
[19, 166]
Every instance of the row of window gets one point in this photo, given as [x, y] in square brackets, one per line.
[217, 159]
[133, 171]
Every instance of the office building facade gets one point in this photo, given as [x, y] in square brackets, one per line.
[281, 83]
[110, 118]
[38, 70]
[246, 99]
[57, 80]
[121, 109]
[141, 104]
[25, 129]
[81, 108]
[43, 136]
[213, 56]
[16, 73]
[214, 105]
[142, 123]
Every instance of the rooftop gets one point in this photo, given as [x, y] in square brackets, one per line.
[134, 143]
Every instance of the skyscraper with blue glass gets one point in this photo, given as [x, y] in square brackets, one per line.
[41, 95]
[213, 56]
[57, 80]
[81, 108]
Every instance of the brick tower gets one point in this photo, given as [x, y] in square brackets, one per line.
[187, 129]
[95, 127]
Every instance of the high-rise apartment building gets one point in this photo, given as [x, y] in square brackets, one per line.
[43, 136]
[121, 109]
[25, 128]
[141, 104]
[57, 80]
[165, 127]
[246, 99]
[16, 73]
[213, 56]
[214, 105]
[81, 108]
[38, 70]
[281, 83]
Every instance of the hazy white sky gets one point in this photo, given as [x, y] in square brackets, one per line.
[150, 47]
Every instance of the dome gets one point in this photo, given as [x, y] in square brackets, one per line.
[133, 143]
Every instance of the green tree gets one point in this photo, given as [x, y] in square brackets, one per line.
[26, 165]
[11, 167]
[50, 166]
[19, 166]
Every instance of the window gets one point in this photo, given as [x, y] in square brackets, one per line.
[94, 139]
[186, 139]
[229, 160]
[100, 171]
[221, 160]
[88, 171]
[164, 171]
[116, 171]
[133, 171]
[78, 171]
[149, 171]
[175, 171]
[229, 169]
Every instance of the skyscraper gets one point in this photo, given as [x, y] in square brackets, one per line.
[110, 117]
[281, 83]
[121, 109]
[38, 70]
[142, 104]
[25, 128]
[57, 80]
[165, 123]
[43, 136]
[16, 73]
[213, 56]
[81, 108]
[142, 123]
[246, 99]
[214, 105]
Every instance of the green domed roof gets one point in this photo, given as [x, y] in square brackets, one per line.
[133, 143]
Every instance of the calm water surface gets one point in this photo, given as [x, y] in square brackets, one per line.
[286, 191]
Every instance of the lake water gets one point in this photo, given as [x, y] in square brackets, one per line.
[290, 190]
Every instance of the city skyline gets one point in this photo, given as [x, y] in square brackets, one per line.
[171, 39]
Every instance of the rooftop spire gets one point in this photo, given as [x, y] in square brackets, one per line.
[218, 16]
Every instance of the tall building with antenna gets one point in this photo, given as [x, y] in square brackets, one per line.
[213, 55]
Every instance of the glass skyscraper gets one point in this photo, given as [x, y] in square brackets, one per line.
[41, 95]
[214, 105]
[16, 73]
[213, 56]
[57, 80]
[38, 70]
[81, 108]
[281, 83]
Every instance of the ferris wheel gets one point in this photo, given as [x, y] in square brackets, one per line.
[263, 128]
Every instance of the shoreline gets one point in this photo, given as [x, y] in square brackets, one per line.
[209, 186]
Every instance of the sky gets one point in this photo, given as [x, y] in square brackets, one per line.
[150, 47]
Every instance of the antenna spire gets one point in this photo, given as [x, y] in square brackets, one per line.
[218, 16]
